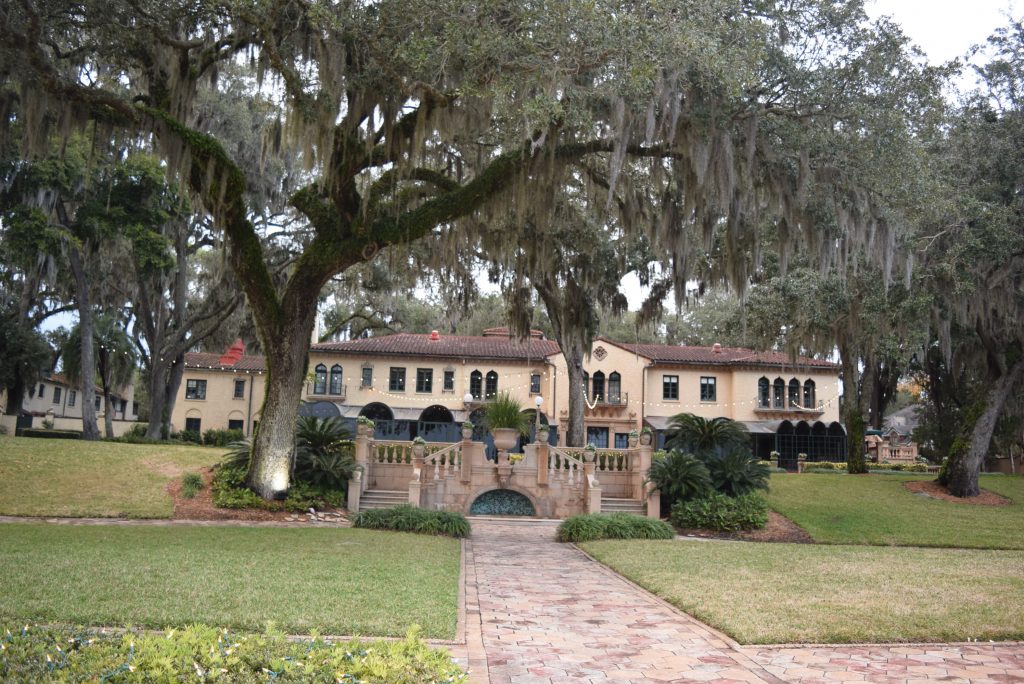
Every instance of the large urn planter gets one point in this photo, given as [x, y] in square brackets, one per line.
[505, 438]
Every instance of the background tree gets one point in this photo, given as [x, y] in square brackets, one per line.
[24, 354]
[115, 361]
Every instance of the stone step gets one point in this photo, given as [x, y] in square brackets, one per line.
[382, 498]
[614, 505]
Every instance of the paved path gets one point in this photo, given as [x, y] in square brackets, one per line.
[541, 612]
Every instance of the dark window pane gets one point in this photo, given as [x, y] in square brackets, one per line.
[424, 380]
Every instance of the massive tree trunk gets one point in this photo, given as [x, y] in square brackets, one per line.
[15, 397]
[853, 414]
[965, 464]
[274, 445]
[90, 430]
[574, 435]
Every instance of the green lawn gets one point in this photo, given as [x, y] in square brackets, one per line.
[337, 581]
[879, 510]
[788, 593]
[62, 477]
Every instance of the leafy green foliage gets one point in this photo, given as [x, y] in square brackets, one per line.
[191, 483]
[51, 434]
[737, 472]
[581, 528]
[722, 513]
[679, 476]
[692, 433]
[196, 652]
[302, 496]
[190, 436]
[229, 490]
[407, 518]
[221, 438]
[238, 454]
[325, 457]
[23, 351]
[505, 411]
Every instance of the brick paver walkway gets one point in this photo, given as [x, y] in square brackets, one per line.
[542, 612]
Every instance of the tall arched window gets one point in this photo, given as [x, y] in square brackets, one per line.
[598, 393]
[809, 399]
[320, 379]
[764, 393]
[335, 379]
[779, 393]
[794, 393]
[491, 388]
[614, 388]
[476, 384]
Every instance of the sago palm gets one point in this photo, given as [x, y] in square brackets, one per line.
[688, 432]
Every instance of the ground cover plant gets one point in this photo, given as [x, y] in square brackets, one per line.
[198, 653]
[721, 513]
[785, 593]
[337, 581]
[580, 528]
[411, 519]
[878, 509]
[44, 477]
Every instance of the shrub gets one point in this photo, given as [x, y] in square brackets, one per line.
[229, 490]
[581, 528]
[330, 466]
[302, 496]
[51, 434]
[737, 472]
[679, 476]
[238, 454]
[408, 518]
[191, 483]
[703, 435]
[722, 513]
[188, 436]
[198, 653]
[221, 438]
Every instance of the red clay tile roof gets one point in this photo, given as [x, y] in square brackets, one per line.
[213, 361]
[733, 356]
[448, 346]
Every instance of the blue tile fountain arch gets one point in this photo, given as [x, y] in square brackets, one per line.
[502, 502]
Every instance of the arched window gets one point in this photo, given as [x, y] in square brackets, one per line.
[809, 399]
[779, 393]
[598, 392]
[794, 393]
[614, 388]
[491, 388]
[764, 393]
[476, 384]
[335, 379]
[320, 379]
[586, 384]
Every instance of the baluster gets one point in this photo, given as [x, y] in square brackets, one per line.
[437, 472]
[551, 466]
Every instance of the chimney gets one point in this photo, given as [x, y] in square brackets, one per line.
[716, 348]
[233, 354]
[434, 336]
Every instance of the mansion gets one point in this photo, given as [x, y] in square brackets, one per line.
[429, 384]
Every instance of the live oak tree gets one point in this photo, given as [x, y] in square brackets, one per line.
[413, 118]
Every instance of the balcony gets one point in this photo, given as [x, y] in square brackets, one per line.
[606, 405]
[779, 408]
[326, 394]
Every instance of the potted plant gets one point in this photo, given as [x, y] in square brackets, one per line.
[646, 435]
[364, 426]
[590, 453]
[543, 432]
[467, 431]
[634, 437]
[419, 445]
[505, 420]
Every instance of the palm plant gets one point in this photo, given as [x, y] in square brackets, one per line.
[701, 435]
[324, 456]
[505, 411]
[238, 454]
[737, 472]
[116, 360]
[679, 477]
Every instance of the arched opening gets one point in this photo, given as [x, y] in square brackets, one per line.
[597, 394]
[502, 502]
[764, 399]
[437, 414]
[614, 388]
[320, 379]
[437, 424]
[376, 411]
[480, 434]
[779, 393]
[476, 384]
[319, 409]
[794, 393]
[491, 385]
[809, 399]
[835, 446]
[335, 387]
[785, 444]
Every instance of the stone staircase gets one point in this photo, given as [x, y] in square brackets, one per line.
[382, 498]
[632, 506]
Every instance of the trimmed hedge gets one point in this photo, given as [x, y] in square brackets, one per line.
[722, 513]
[198, 654]
[582, 528]
[50, 434]
[408, 518]
[880, 467]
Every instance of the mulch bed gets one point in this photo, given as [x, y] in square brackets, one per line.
[778, 529]
[934, 490]
[201, 507]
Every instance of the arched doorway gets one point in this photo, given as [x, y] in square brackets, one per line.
[502, 502]
[437, 424]
[480, 434]
[385, 425]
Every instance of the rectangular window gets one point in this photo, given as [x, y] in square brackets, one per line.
[236, 424]
[449, 381]
[135, 408]
[670, 387]
[239, 389]
[425, 380]
[396, 382]
[367, 380]
[193, 424]
[42, 390]
[707, 389]
[72, 397]
[124, 406]
[96, 402]
[56, 395]
[195, 389]
[598, 436]
[535, 383]
[621, 440]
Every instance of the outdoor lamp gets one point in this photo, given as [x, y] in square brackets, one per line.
[468, 397]
[538, 400]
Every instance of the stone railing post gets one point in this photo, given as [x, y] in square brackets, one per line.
[543, 452]
[355, 489]
[641, 464]
[363, 448]
[801, 459]
[653, 497]
[468, 457]
[591, 489]
[417, 473]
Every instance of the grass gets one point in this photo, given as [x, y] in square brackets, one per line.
[56, 477]
[879, 510]
[795, 593]
[337, 581]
